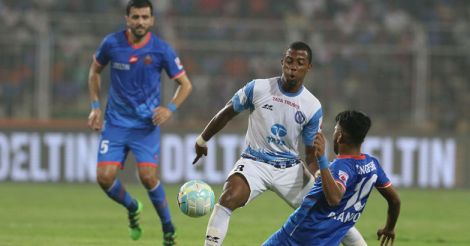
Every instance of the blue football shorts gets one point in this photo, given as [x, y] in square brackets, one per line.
[116, 142]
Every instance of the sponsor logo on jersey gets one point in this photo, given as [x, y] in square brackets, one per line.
[345, 217]
[133, 59]
[268, 107]
[121, 66]
[147, 60]
[285, 101]
[299, 117]
[279, 131]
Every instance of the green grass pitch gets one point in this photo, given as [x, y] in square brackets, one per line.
[81, 214]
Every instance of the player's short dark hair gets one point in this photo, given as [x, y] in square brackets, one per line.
[299, 45]
[356, 125]
[139, 4]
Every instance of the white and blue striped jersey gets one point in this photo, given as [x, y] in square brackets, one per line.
[277, 119]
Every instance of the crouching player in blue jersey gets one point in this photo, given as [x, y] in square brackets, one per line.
[339, 196]
[134, 110]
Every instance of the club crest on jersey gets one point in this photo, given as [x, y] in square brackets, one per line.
[299, 117]
[147, 60]
[343, 176]
[133, 59]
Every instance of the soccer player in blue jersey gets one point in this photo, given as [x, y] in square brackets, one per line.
[339, 196]
[282, 111]
[134, 110]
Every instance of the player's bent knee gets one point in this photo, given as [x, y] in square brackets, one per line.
[105, 181]
[236, 192]
[106, 175]
[230, 201]
[149, 181]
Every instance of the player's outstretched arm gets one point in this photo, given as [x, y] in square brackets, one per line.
[216, 124]
[333, 191]
[94, 86]
[311, 160]
[386, 235]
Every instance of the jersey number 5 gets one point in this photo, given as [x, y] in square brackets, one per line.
[104, 146]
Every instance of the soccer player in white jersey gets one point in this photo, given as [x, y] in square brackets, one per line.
[282, 111]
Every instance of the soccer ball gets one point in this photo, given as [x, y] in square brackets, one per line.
[196, 198]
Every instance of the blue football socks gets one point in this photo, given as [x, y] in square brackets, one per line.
[157, 196]
[121, 196]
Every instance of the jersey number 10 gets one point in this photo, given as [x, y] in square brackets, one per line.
[360, 191]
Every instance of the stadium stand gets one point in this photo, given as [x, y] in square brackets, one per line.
[410, 58]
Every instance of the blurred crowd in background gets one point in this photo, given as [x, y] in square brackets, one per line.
[406, 63]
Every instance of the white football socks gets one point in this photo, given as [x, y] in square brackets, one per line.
[217, 226]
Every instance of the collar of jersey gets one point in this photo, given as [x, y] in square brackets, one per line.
[286, 93]
[140, 45]
[355, 157]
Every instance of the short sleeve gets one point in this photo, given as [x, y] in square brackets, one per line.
[243, 98]
[341, 173]
[102, 53]
[382, 180]
[172, 63]
[311, 128]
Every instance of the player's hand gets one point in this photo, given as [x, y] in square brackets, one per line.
[94, 119]
[161, 115]
[319, 144]
[200, 151]
[385, 236]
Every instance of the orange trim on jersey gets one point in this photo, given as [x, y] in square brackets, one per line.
[147, 164]
[106, 163]
[355, 157]
[140, 44]
[179, 74]
[341, 183]
[386, 185]
[96, 61]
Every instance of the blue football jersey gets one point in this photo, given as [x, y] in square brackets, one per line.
[135, 77]
[316, 223]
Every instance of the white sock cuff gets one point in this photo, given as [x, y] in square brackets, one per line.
[226, 210]
[156, 186]
[112, 186]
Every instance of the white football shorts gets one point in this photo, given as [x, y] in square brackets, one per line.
[291, 184]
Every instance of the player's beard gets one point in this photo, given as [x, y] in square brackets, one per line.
[138, 34]
[335, 147]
